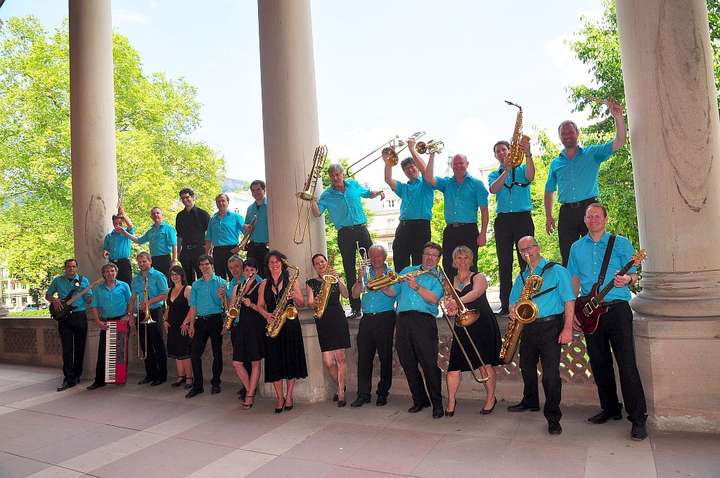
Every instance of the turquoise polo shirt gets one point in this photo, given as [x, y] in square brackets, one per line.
[162, 238]
[553, 302]
[586, 258]
[374, 302]
[462, 200]
[260, 233]
[345, 208]
[577, 179]
[64, 286]
[416, 199]
[204, 296]
[514, 195]
[117, 245]
[157, 285]
[408, 299]
[225, 230]
[111, 302]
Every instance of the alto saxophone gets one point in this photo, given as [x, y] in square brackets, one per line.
[526, 312]
[328, 280]
[234, 309]
[516, 153]
[283, 311]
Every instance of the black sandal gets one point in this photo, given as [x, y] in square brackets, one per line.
[181, 380]
[248, 406]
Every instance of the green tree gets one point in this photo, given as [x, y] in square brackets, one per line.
[155, 157]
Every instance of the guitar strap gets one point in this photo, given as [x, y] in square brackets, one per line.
[606, 261]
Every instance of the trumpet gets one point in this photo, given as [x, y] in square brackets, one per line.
[363, 265]
[308, 194]
[432, 147]
[390, 148]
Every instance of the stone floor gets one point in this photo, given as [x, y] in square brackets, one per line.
[132, 430]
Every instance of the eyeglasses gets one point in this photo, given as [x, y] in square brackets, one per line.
[528, 248]
[430, 255]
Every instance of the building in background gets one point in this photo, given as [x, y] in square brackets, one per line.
[14, 295]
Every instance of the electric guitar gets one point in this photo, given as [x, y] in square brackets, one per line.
[589, 308]
[66, 308]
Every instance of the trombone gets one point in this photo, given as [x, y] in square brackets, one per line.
[306, 196]
[142, 354]
[391, 147]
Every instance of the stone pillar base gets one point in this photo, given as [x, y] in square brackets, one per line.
[679, 361]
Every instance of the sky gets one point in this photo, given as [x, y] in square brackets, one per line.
[383, 68]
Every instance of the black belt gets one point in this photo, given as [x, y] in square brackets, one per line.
[113, 318]
[209, 316]
[462, 224]
[192, 246]
[548, 318]
[353, 227]
[513, 212]
[370, 315]
[414, 312]
[414, 221]
[578, 204]
[257, 243]
[614, 302]
[225, 247]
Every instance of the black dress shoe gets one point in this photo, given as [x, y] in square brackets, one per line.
[503, 311]
[155, 383]
[638, 432]
[359, 402]
[341, 403]
[65, 385]
[95, 385]
[418, 407]
[193, 392]
[604, 416]
[145, 380]
[381, 401]
[215, 389]
[438, 412]
[521, 407]
[554, 428]
[335, 397]
[354, 315]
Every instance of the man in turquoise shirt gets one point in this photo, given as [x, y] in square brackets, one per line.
[73, 328]
[163, 242]
[257, 248]
[417, 333]
[205, 321]
[543, 338]
[116, 246]
[157, 288]
[416, 203]
[511, 187]
[614, 335]
[574, 173]
[110, 303]
[342, 201]
[464, 195]
[223, 234]
[376, 331]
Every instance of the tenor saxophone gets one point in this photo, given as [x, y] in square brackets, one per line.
[283, 311]
[526, 312]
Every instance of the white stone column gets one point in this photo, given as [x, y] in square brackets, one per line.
[92, 128]
[290, 127]
[675, 131]
[92, 133]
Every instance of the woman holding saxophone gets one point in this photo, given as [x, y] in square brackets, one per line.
[284, 349]
[323, 294]
[470, 287]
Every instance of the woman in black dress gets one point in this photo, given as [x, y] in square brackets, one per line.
[284, 354]
[332, 326]
[178, 345]
[248, 331]
[484, 333]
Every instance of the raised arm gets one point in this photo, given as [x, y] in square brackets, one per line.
[529, 164]
[616, 111]
[429, 174]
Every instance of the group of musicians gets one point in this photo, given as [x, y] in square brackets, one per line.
[192, 301]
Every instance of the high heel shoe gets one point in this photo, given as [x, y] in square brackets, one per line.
[288, 407]
[248, 406]
[489, 411]
[279, 410]
[450, 413]
[181, 380]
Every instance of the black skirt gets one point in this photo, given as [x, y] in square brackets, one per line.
[332, 328]
[178, 345]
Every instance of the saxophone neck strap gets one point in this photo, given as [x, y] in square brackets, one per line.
[547, 266]
[514, 183]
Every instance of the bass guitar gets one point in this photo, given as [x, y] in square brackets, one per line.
[589, 308]
[66, 308]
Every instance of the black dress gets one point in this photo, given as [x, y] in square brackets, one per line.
[485, 333]
[248, 330]
[178, 345]
[332, 327]
[284, 354]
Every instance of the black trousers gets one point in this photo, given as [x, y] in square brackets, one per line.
[348, 239]
[416, 340]
[614, 336]
[73, 335]
[539, 341]
[220, 255]
[100, 365]
[189, 260]
[155, 355]
[124, 270]
[257, 251]
[207, 327]
[510, 227]
[459, 235]
[571, 225]
[162, 264]
[375, 335]
[410, 237]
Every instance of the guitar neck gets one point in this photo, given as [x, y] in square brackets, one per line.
[605, 290]
[82, 292]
